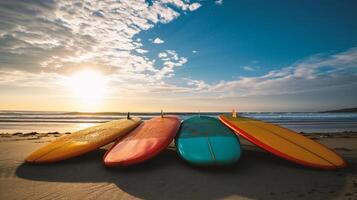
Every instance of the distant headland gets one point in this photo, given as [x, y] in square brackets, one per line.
[342, 110]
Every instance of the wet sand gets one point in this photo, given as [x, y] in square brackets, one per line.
[258, 175]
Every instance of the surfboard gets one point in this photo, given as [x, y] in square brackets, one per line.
[83, 141]
[205, 141]
[145, 142]
[284, 143]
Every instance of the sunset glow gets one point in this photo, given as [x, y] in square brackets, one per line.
[89, 87]
[177, 55]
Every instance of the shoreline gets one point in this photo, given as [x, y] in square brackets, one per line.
[43, 122]
[344, 134]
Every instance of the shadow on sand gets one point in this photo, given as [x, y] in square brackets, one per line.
[257, 175]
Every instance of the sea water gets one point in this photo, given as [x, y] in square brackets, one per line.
[43, 122]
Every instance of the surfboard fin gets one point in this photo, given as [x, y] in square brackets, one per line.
[234, 113]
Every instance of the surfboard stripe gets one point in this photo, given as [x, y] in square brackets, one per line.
[205, 140]
[318, 148]
[311, 161]
[290, 141]
[266, 147]
[210, 149]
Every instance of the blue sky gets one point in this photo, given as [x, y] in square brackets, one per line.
[180, 55]
[264, 35]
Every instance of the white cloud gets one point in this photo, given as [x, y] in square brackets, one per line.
[158, 41]
[141, 51]
[24, 79]
[197, 85]
[59, 38]
[184, 5]
[40, 42]
[173, 54]
[171, 60]
[219, 2]
[162, 55]
[315, 73]
[249, 68]
[194, 6]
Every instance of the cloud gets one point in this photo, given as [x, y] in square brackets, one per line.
[249, 68]
[194, 51]
[194, 6]
[29, 80]
[183, 4]
[197, 85]
[43, 41]
[171, 60]
[219, 2]
[315, 73]
[162, 55]
[57, 38]
[141, 51]
[158, 41]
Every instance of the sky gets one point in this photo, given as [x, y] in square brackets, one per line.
[178, 55]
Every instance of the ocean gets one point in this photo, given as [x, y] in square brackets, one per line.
[43, 122]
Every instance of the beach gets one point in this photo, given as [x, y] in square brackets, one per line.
[178, 99]
[258, 174]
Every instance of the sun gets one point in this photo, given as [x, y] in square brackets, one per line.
[89, 86]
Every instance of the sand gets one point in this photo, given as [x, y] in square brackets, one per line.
[258, 175]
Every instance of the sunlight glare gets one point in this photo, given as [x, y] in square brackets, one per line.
[89, 86]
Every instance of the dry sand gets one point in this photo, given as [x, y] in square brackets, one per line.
[258, 175]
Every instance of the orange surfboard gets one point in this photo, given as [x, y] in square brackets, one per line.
[83, 141]
[146, 141]
[285, 143]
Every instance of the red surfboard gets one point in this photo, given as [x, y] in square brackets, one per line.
[146, 141]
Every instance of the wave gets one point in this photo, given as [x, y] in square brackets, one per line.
[27, 121]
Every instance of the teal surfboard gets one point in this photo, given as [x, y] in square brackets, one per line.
[205, 140]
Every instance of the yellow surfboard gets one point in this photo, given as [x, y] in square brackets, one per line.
[83, 141]
[285, 143]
